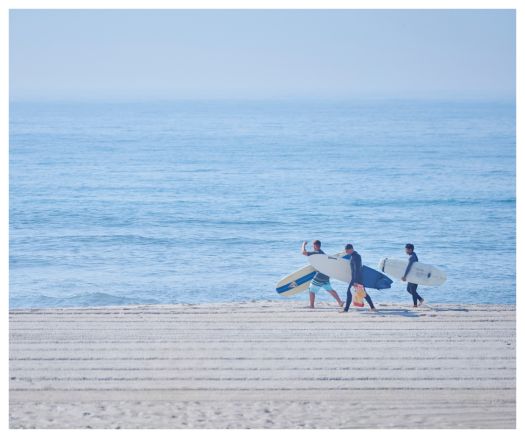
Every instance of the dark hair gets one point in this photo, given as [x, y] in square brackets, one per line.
[349, 246]
[409, 246]
[317, 242]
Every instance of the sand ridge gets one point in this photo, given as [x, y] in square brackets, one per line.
[265, 364]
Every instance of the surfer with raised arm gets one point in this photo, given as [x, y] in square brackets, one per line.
[320, 280]
[412, 287]
[356, 266]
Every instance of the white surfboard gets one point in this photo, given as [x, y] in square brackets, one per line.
[420, 273]
[333, 266]
[339, 268]
[297, 281]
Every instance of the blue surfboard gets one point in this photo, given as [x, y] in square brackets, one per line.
[374, 279]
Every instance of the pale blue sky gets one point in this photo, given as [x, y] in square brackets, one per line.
[170, 54]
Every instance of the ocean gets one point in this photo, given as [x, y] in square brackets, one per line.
[209, 201]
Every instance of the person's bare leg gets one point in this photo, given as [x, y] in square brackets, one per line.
[312, 300]
[334, 294]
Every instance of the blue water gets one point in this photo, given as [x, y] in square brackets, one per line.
[191, 202]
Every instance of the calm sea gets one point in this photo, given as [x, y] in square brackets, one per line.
[191, 202]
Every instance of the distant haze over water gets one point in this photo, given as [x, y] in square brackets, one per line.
[156, 54]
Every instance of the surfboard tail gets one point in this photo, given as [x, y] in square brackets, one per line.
[384, 283]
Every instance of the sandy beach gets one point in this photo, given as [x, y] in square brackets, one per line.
[265, 364]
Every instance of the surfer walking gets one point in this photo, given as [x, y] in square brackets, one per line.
[356, 266]
[412, 287]
[320, 280]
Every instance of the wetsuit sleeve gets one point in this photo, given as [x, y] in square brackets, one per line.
[411, 261]
[359, 270]
[355, 263]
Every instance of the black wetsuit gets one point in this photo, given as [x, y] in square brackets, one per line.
[356, 266]
[412, 287]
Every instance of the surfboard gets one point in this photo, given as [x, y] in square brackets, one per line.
[420, 273]
[297, 281]
[338, 267]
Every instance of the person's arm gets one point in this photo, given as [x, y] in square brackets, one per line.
[303, 248]
[353, 268]
[411, 261]
[359, 270]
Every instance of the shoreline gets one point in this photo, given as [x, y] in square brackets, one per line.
[263, 364]
[322, 303]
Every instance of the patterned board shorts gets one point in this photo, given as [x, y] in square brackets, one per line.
[314, 288]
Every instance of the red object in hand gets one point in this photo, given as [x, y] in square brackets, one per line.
[359, 295]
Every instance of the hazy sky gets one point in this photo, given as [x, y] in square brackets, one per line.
[125, 54]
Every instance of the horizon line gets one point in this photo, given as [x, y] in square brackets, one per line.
[449, 98]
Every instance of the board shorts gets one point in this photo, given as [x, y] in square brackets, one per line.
[314, 288]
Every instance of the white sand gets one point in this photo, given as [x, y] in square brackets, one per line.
[263, 365]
